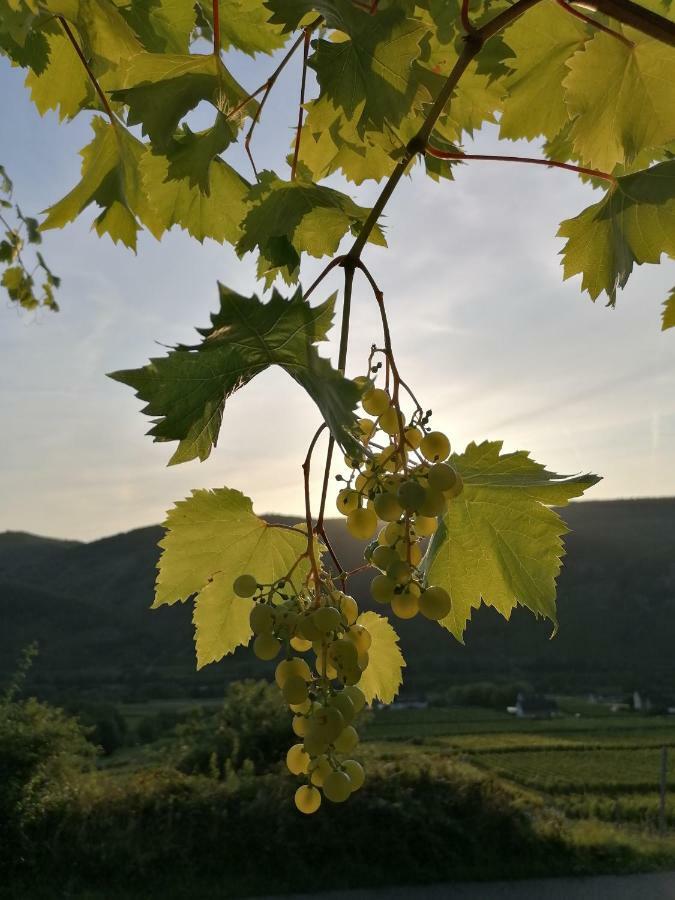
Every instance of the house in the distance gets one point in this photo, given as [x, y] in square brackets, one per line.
[534, 706]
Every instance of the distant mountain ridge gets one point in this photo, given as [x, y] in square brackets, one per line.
[87, 605]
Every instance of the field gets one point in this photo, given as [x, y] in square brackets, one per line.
[602, 767]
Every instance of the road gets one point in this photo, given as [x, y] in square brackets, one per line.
[658, 886]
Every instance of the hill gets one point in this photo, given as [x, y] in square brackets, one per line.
[87, 604]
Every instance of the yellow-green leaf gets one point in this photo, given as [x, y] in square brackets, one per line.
[213, 537]
[498, 542]
[621, 99]
[383, 676]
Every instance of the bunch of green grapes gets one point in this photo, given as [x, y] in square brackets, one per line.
[325, 654]
[402, 478]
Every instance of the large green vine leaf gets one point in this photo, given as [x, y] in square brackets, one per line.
[620, 99]
[541, 44]
[111, 179]
[633, 224]
[499, 542]
[187, 390]
[213, 537]
[287, 218]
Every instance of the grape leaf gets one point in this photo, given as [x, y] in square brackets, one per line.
[498, 541]
[383, 676]
[63, 84]
[173, 201]
[541, 43]
[212, 538]
[633, 224]
[104, 30]
[160, 89]
[164, 26]
[370, 74]
[621, 99]
[186, 391]
[110, 178]
[191, 153]
[245, 25]
[289, 217]
[668, 316]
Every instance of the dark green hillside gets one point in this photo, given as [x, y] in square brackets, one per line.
[88, 606]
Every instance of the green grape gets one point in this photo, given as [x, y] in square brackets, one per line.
[405, 605]
[344, 704]
[415, 554]
[349, 609]
[262, 619]
[326, 619]
[389, 421]
[347, 501]
[383, 557]
[442, 477]
[425, 526]
[375, 401]
[456, 489]
[360, 637]
[337, 787]
[327, 722]
[353, 675]
[299, 726]
[411, 495]
[314, 743]
[367, 428]
[303, 707]
[356, 774]
[387, 507]
[399, 571]
[433, 505]
[245, 586]
[347, 740]
[343, 655]
[319, 769]
[307, 628]
[435, 603]
[294, 689]
[266, 646]
[297, 760]
[413, 437]
[286, 620]
[362, 523]
[382, 589]
[300, 644]
[435, 446]
[288, 667]
[363, 383]
[392, 533]
[307, 799]
[357, 697]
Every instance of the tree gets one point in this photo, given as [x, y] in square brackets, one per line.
[400, 83]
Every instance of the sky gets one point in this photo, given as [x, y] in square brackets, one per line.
[483, 327]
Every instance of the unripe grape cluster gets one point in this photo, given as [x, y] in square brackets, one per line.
[402, 479]
[325, 654]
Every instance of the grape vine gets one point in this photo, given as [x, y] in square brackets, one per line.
[391, 84]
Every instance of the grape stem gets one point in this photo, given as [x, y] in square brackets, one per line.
[308, 510]
[301, 106]
[530, 160]
[97, 87]
[467, 24]
[594, 23]
[266, 88]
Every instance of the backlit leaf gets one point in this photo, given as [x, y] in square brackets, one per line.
[383, 676]
[498, 542]
[187, 390]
